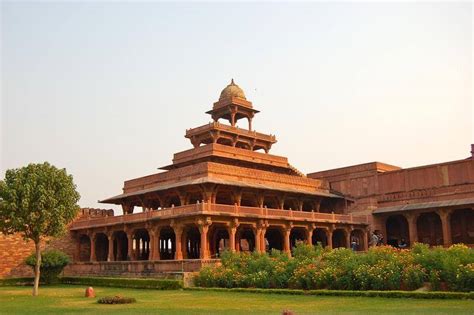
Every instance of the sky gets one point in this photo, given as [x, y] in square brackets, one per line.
[107, 90]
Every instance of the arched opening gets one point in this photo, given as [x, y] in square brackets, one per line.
[141, 244]
[339, 238]
[270, 201]
[273, 239]
[297, 235]
[430, 229]
[246, 239]
[358, 240]
[224, 141]
[248, 200]
[320, 236]
[290, 204]
[224, 196]
[167, 243]
[173, 201]
[308, 205]
[120, 246]
[193, 243]
[242, 145]
[101, 247]
[397, 230]
[462, 226]
[195, 197]
[326, 206]
[84, 248]
[219, 239]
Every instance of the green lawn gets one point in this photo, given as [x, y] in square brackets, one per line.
[69, 299]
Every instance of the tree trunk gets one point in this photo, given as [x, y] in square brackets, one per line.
[37, 268]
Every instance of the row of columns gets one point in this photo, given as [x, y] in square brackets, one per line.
[153, 247]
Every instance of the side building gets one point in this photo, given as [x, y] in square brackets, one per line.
[432, 204]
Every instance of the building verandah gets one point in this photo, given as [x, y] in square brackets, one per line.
[206, 237]
[435, 224]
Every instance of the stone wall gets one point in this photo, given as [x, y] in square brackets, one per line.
[14, 249]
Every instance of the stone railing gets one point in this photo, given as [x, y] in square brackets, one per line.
[220, 209]
[235, 130]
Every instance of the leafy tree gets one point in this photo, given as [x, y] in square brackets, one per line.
[38, 201]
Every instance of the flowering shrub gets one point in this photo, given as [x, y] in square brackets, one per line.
[380, 268]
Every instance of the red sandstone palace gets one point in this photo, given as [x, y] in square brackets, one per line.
[229, 192]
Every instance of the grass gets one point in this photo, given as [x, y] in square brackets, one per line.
[68, 299]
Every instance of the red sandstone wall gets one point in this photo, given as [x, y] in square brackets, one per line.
[14, 249]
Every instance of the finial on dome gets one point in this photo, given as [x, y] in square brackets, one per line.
[232, 82]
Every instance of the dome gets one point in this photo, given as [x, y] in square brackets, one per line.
[232, 90]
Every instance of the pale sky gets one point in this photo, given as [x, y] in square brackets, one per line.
[107, 90]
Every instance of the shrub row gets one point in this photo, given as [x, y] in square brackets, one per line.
[116, 300]
[16, 281]
[158, 284]
[314, 268]
[387, 294]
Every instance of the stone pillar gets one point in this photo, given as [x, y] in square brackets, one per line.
[309, 235]
[348, 238]
[232, 230]
[412, 228]
[263, 245]
[445, 216]
[365, 235]
[329, 237]
[203, 229]
[110, 256]
[286, 241]
[93, 257]
[152, 245]
[130, 246]
[178, 233]
[258, 241]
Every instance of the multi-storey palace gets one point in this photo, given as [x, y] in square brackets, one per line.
[229, 193]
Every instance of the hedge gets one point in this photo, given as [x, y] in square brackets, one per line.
[158, 284]
[16, 281]
[386, 294]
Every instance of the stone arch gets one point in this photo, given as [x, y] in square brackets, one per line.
[84, 248]
[192, 242]
[101, 247]
[270, 201]
[358, 240]
[249, 199]
[320, 236]
[273, 239]
[141, 244]
[120, 246]
[167, 243]
[297, 234]
[219, 240]
[339, 238]
[397, 230]
[462, 226]
[246, 239]
[430, 229]
[173, 200]
[224, 196]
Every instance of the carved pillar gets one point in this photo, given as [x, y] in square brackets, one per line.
[232, 230]
[258, 240]
[329, 237]
[110, 256]
[203, 229]
[365, 235]
[130, 255]
[93, 238]
[309, 234]
[286, 240]
[348, 238]
[178, 233]
[445, 216]
[263, 244]
[412, 228]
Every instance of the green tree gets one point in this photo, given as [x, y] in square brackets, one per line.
[38, 201]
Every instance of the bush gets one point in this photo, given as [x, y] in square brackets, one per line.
[116, 300]
[159, 284]
[52, 264]
[312, 267]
